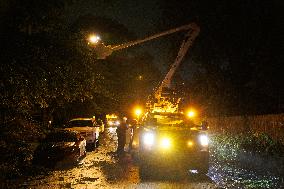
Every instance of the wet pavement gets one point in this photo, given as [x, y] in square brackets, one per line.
[102, 169]
[231, 175]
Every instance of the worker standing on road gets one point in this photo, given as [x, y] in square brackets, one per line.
[121, 136]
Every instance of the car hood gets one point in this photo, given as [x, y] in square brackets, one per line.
[81, 129]
[60, 145]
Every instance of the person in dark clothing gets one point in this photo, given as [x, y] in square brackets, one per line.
[121, 135]
[204, 125]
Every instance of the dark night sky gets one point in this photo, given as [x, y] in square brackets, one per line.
[140, 17]
[233, 26]
[239, 33]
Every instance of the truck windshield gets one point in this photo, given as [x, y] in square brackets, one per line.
[168, 120]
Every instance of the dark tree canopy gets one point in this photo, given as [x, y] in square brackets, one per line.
[234, 67]
[48, 66]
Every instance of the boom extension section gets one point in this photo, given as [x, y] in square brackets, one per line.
[165, 99]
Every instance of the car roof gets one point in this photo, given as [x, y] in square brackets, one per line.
[77, 119]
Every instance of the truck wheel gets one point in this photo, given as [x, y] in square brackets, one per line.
[144, 171]
[204, 164]
[135, 157]
[204, 168]
[92, 146]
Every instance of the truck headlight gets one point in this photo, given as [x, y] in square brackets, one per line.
[190, 143]
[165, 143]
[203, 139]
[148, 139]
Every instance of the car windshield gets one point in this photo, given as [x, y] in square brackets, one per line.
[168, 119]
[61, 137]
[80, 123]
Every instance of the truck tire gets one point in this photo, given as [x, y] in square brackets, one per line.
[204, 168]
[204, 164]
[145, 172]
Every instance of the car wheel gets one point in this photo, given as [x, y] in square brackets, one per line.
[91, 146]
[95, 145]
[84, 154]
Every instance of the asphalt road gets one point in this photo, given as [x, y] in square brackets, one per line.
[102, 169]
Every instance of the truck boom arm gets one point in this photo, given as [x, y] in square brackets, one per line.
[106, 50]
[186, 44]
[160, 103]
[136, 42]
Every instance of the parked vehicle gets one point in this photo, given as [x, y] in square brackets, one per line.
[112, 120]
[88, 128]
[60, 147]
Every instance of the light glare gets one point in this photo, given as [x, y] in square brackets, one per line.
[148, 138]
[203, 140]
[138, 111]
[190, 143]
[165, 143]
[191, 114]
[94, 39]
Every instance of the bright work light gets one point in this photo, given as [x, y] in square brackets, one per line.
[165, 143]
[203, 139]
[94, 39]
[148, 139]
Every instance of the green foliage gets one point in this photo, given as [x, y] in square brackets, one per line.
[257, 183]
[262, 144]
[225, 147]
[228, 147]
